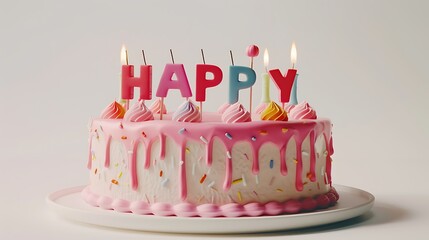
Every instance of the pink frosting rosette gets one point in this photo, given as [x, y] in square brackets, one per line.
[261, 107]
[302, 111]
[155, 108]
[289, 107]
[222, 108]
[138, 113]
[235, 114]
[187, 112]
[113, 111]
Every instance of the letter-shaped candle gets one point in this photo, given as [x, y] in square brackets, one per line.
[144, 82]
[293, 97]
[235, 85]
[202, 83]
[266, 80]
[283, 83]
[166, 82]
[293, 54]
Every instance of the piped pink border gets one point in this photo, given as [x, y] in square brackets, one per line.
[212, 210]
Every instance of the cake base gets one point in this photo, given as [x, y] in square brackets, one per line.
[212, 210]
[69, 204]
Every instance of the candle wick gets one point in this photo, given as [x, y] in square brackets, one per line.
[126, 57]
[232, 58]
[171, 54]
[293, 65]
[202, 54]
[144, 57]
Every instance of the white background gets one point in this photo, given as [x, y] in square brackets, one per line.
[361, 63]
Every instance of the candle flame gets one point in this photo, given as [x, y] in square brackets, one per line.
[293, 55]
[124, 55]
[266, 59]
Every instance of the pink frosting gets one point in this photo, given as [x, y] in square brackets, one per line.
[261, 107]
[222, 108]
[185, 210]
[289, 107]
[121, 205]
[155, 108]
[274, 208]
[294, 206]
[162, 209]
[105, 202]
[232, 210]
[209, 210]
[302, 111]
[235, 114]
[187, 112]
[138, 113]
[139, 207]
[113, 111]
[254, 209]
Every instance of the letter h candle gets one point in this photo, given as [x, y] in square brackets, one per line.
[129, 81]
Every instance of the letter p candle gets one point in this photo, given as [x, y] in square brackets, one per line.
[235, 85]
[202, 83]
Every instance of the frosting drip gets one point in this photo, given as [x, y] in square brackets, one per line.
[138, 113]
[155, 108]
[235, 114]
[187, 112]
[274, 112]
[303, 111]
[113, 111]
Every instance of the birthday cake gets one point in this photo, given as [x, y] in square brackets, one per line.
[229, 163]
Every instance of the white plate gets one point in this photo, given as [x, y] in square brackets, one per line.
[68, 203]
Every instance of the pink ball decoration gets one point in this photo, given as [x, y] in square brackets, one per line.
[252, 51]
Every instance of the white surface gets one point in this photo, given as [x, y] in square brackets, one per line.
[69, 204]
[362, 63]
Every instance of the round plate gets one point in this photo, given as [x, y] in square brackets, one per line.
[69, 204]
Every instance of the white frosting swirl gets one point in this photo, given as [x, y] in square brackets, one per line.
[187, 112]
